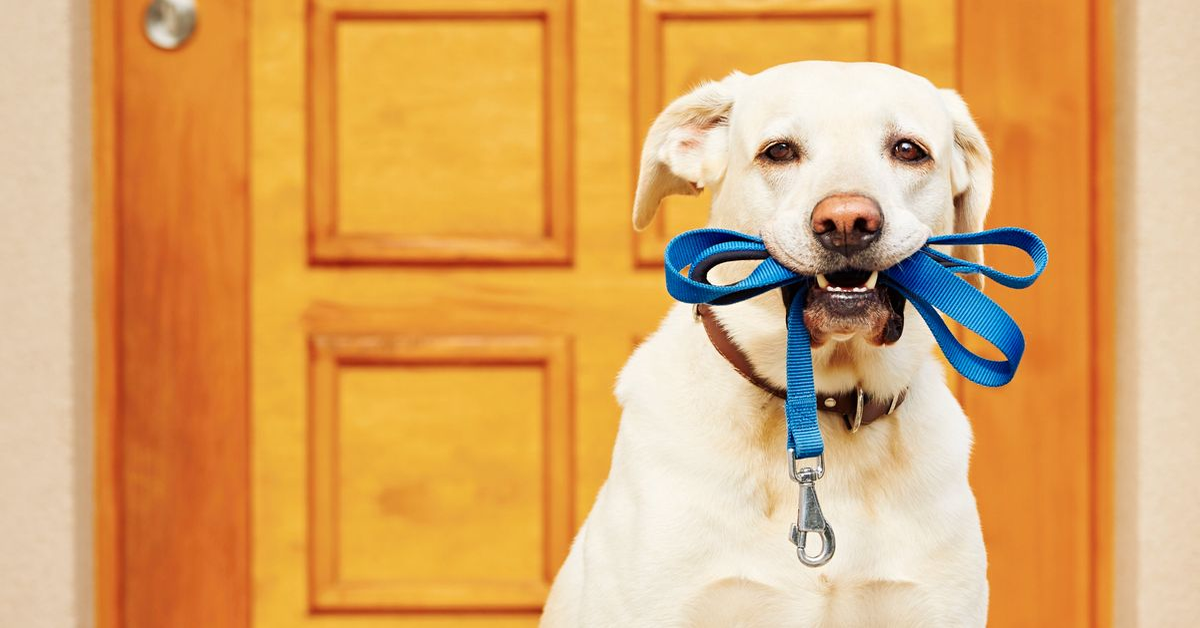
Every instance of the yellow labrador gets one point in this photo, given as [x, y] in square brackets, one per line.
[844, 169]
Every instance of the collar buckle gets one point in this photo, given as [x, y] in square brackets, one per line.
[856, 423]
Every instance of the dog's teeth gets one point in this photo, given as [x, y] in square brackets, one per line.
[872, 279]
[822, 282]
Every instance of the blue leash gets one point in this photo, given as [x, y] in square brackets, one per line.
[928, 279]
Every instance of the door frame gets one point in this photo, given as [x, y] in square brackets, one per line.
[172, 459]
[131, 574]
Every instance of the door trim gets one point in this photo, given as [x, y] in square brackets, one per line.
[104, 268]
[171, 275]
[1103, 306]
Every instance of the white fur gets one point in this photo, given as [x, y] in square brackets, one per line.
[690, 528]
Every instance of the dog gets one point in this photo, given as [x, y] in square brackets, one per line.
[844, 169]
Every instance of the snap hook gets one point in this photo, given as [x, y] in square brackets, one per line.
[809, 518]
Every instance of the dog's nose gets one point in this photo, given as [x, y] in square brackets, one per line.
[847, 223]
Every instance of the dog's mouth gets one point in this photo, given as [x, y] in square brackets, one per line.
[848, 303]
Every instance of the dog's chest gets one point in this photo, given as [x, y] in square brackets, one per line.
[755, 579]
[751, 575]
[703, 539]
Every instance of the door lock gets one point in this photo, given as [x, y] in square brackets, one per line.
[170, 23]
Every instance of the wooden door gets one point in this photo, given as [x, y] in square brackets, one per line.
[442, 284]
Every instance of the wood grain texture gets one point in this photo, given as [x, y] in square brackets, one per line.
[172, 329]
[1103, 306]
[1027, 72]
[927, 39]
[475, 515]
[390, 152]
[340, 537]
[107, 530]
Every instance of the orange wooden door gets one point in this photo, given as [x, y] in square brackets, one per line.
[442, 284]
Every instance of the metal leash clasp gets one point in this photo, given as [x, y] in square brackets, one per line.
[809, 519]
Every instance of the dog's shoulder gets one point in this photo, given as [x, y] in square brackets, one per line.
[659, 356]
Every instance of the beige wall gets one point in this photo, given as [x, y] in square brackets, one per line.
[45, 354]
[1158, 239]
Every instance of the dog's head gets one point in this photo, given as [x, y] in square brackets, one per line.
[842, 168]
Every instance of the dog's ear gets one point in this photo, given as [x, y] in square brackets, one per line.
[970, 178]
[687, 147]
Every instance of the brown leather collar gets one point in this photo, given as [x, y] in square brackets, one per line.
[856, 407]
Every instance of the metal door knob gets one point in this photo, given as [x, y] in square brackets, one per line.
[169, 23]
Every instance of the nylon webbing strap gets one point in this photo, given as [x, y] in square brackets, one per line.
[928, 279]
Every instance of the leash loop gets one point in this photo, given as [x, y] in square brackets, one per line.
[928, 279]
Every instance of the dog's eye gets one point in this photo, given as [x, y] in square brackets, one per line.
[910, 151]
[781, 151]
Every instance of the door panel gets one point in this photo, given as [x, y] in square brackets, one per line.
[389, 123]
[393, 130]
[486, 417]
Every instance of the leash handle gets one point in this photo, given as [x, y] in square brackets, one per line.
[1020, 239]
[700, 250]
[930, 281]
